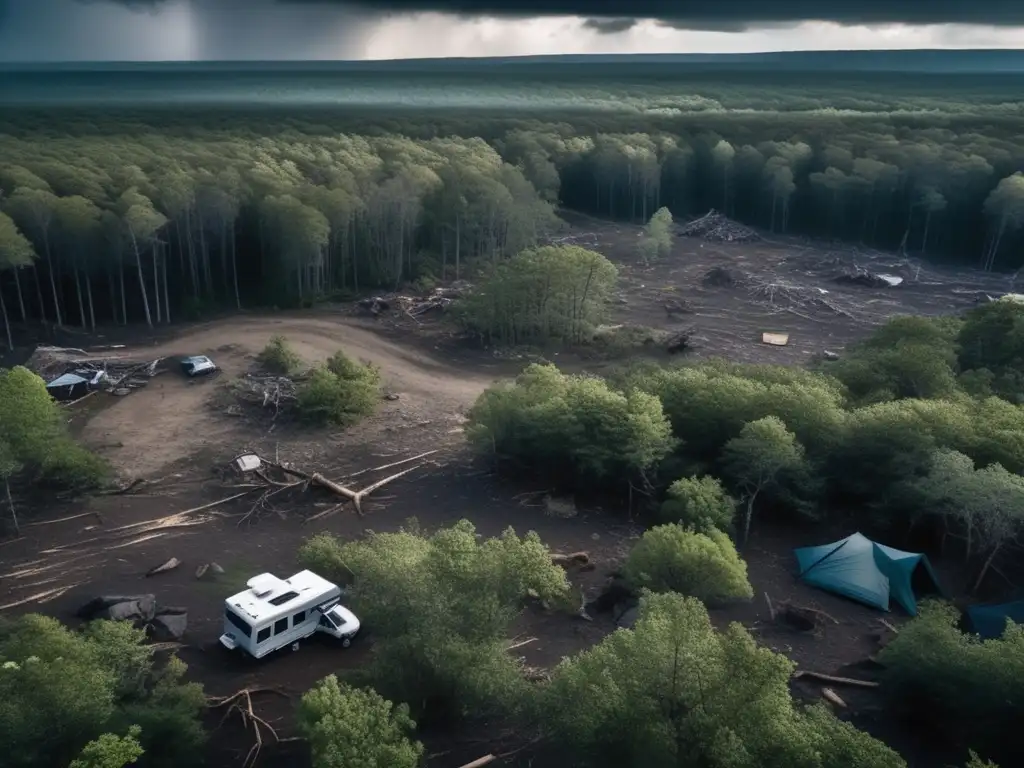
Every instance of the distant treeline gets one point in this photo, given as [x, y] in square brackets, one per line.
[149, 215]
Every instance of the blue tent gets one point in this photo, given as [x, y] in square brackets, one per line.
[863, 570]
[989, 621]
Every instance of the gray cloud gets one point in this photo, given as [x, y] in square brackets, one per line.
[697, 14]
[610, 26]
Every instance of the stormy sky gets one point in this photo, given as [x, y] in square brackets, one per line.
[147, 30]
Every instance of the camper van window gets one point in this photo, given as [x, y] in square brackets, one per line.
[263, 635]
[281, 625]
[283, 598]
[298, 618]
[238, 623]
[325, 621]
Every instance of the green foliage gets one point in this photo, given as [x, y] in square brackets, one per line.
[36, 436]
[340, 393]
[673, 692]
[908, 357]
[976, 762]
[699, 503]
[670, 558]
[992, 341]
[657, 239]
[278, 357]
[754, 460]
[963, 686]
[355, 728]
[553, 293]
[60, 690]
[441, 607]
[573, 426]
[111, 751]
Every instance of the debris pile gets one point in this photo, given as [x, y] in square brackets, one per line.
[715, 227]
[266, 390]
[278, 479]
[675, 307]
[162, 623]
[867, 279]
[413, 306]
[81, 372]
[791, 297]
[720, 277]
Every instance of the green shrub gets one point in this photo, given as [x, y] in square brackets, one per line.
[699, 503]
[349, 727]
[570, 426]
[71, 466]
[340, 393]
[967, 688]
[278, 357]
[674, 692]
[670, 558]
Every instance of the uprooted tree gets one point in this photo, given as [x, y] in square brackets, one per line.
[441, 606]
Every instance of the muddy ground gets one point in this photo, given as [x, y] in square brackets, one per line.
[179, 435]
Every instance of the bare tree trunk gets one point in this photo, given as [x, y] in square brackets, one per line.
[749, 515]
[167, 301]
[10, 505]
[7, 321]
[21, 298]
[81, 298]
[142, 280]
[53, 281]
[38, 280]
[985, 567]
[92, 310]
[156, 280]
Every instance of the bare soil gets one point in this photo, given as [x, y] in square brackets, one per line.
[178, 436]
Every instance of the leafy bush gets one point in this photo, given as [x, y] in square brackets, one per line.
[60, 690]
[570, 426]
[673, 692]
[354, 728]
[699, 503]
[552, 293]
[670, 558]
[341, 392]
[992, 340]
[36, 437]
[963, 686]
[278, 357]
[441, 607]
[111, 751]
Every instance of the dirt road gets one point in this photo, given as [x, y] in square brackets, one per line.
[171, 419]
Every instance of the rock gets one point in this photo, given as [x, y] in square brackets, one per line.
[136, 608]
[628, 618]
[830, 355]
[169, 625]
[216, 569]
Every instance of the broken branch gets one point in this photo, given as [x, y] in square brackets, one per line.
[804, 673]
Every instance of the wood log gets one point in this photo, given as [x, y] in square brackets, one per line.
[805, 673]
[480, 762]
[832, 697]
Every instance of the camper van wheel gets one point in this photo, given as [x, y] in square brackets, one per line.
[346, 642]
[295, 646]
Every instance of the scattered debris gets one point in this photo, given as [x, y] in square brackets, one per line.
[775, 339]
[864, 278]
[413, 306]
[680, 341]
[169, 565]
[715, 227]
[802, 618]
[74, 374]
[833, 698]
[570, 560]
[248, 462]
[266, 390]
[241, 703]
[720, 277]
[563, 507]
[830, 355]
[675, 307]
[805, 674]
[790, 297]
[211, 570]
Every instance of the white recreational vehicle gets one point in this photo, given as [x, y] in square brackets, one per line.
[273, 613]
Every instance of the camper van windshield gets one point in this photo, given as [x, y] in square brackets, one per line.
[238, 622]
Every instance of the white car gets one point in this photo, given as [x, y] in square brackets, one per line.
[198, 365]
[341, 623]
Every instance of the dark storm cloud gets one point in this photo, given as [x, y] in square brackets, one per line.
[699, 14]
[610, 26]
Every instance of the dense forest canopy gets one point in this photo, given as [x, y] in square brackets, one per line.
[147, 215]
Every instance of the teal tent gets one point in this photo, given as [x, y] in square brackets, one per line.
[989, 621]
[870, 573]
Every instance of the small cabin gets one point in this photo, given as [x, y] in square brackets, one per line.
[273, 613]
